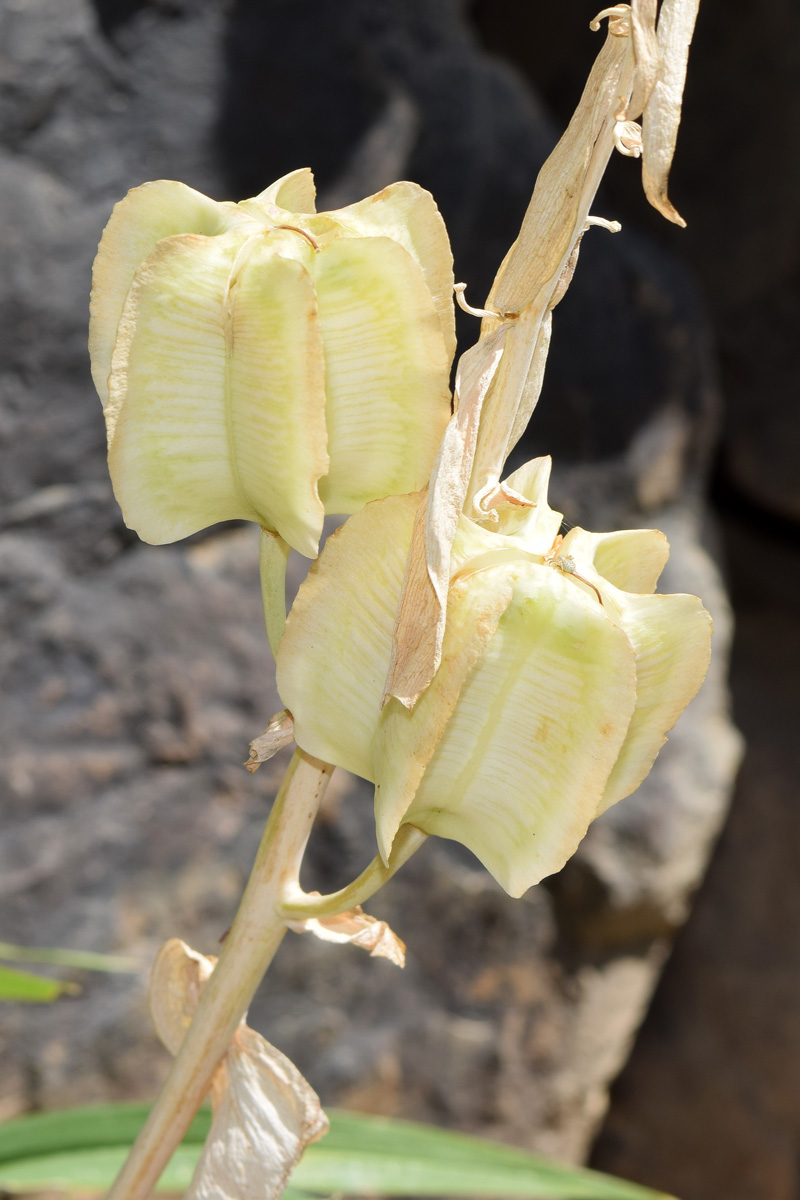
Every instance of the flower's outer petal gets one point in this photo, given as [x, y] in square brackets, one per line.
[630, 559]
[523, 761]
[357, 928]
[406, 740]
[295, 192]
[386, 371]
[273, 555]
[672, 639]
[277, 393]
[537, 526]
[138, 223]
[408, 214]
[332, 660]
[216, 401]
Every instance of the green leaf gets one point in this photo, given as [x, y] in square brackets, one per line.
[85, 960]
[82, 1149]
[33, 989]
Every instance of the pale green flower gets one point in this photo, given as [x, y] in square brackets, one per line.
[265, 362]
[560, 675]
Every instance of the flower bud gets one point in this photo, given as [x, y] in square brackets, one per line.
[560, 675]
[265, 362]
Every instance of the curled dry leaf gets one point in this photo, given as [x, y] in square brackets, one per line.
[278, 734]
[265, 1113]
[359, 929]
[662, 112]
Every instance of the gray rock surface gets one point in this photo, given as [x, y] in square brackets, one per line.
[134, 677]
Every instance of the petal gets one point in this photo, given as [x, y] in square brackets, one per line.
[672, 639]
[630, 559]
[295, 192]
[537, 527]
[408, 214]
[538, 725]
[386, 371]
[333, 658]
[138, 222]
[216, 401]
[406, 740]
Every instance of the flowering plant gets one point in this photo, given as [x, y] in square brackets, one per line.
[501, 684]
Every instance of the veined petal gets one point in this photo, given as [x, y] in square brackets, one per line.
[216, 400]
[295, 192]
[138, 222]
[273, 555]
[630, 559]
[276, 390]
[406, 740]
[537, 526]
[672, 639]
[386, 371]
[332, 660]
[408, 214]
[539, 722]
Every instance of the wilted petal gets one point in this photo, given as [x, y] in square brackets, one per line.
[358, 929]
[332, 660]
[386, 371]
[265, 1113]
[672, 639]
[215, 405]
[522, 764]
[139, 221]
[536, 526]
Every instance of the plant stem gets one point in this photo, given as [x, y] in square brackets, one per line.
[248, 950]
[298, 905]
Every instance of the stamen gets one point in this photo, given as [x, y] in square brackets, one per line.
[460, 289]
[611, 226]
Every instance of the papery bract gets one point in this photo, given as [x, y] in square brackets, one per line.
[561, 673]
[265, 362]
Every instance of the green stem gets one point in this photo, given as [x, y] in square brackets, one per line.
[256, 933]
[298, 905]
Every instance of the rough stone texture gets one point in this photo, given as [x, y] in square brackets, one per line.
[137, 675]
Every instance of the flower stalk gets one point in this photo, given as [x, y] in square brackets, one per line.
[257, 931]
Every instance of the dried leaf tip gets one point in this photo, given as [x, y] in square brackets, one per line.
[279, 732]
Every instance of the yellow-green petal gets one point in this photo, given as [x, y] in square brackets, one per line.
[386, 371]
[138, 222]
[334, 655]
[295, 192]
[408, 214]
[522, 764]
[216, 397]
[536, 527]
[630, 559]
[672, 639]
[406, 739]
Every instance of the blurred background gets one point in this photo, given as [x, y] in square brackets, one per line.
[134, 676]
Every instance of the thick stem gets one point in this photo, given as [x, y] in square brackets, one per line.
[248, 950]
[298, 905]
